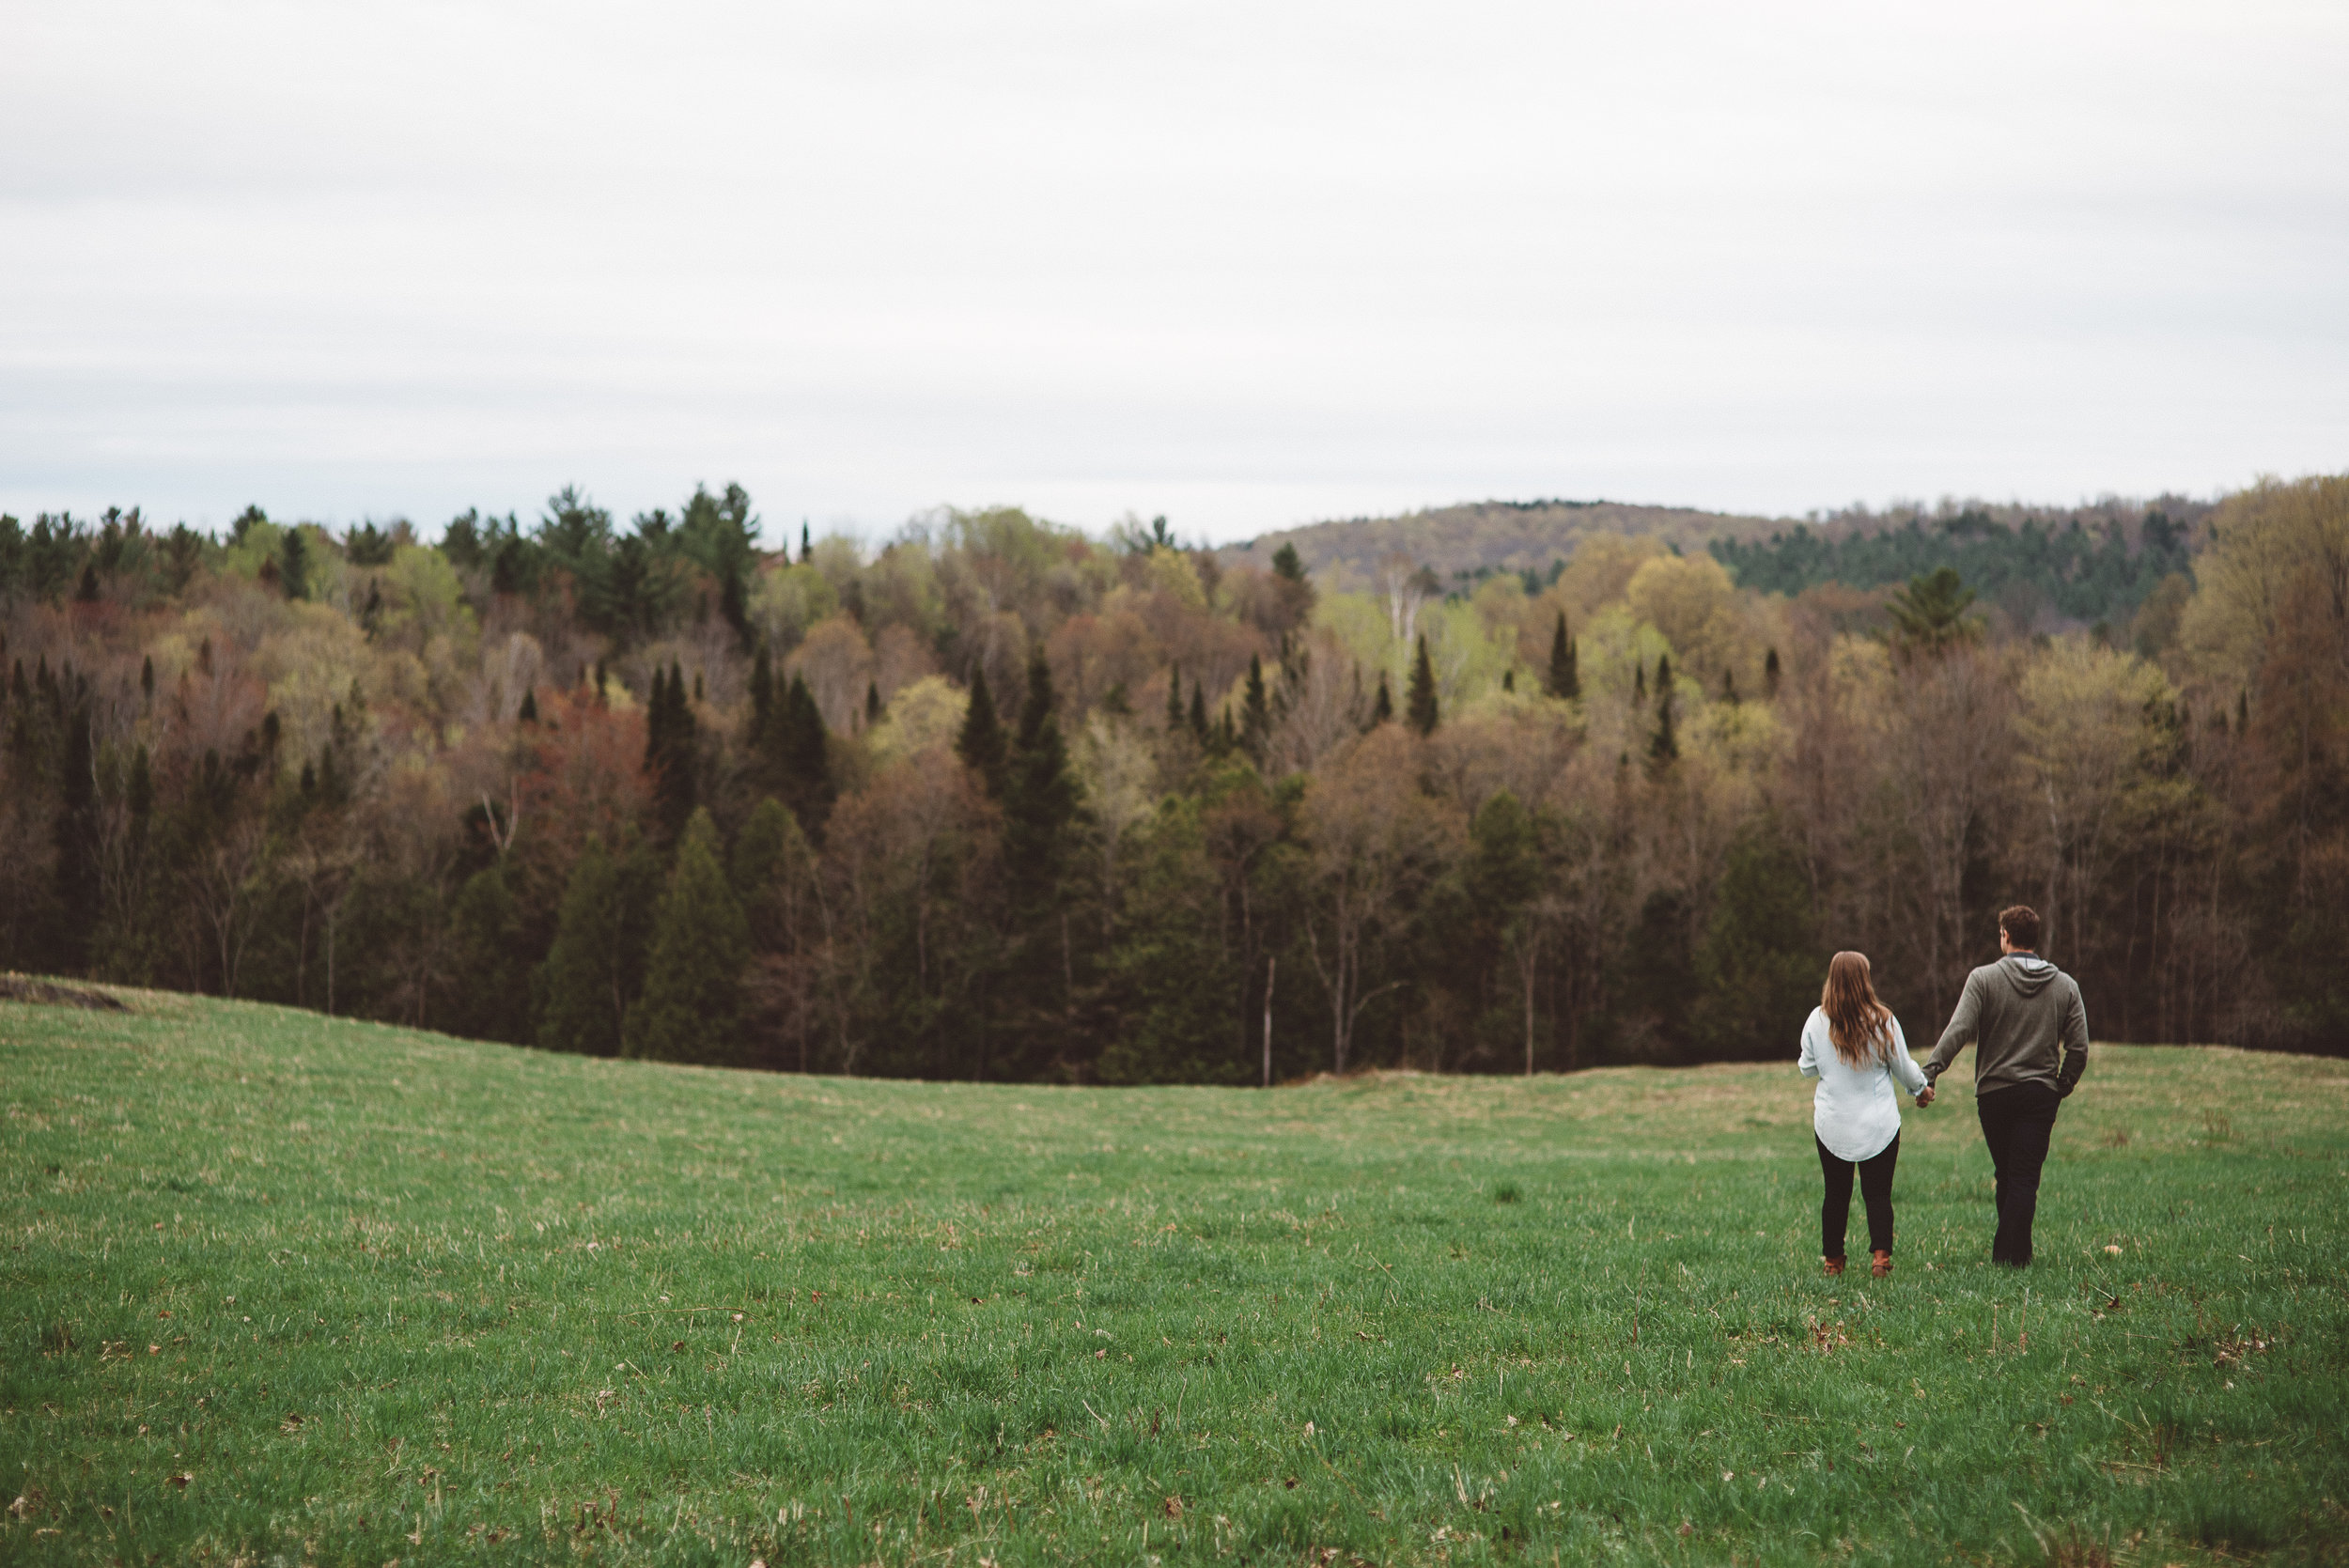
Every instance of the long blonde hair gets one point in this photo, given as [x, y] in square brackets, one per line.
[1860, 1026]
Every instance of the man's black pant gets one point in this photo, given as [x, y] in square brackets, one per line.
[1875, 1190]
[2016, 1123]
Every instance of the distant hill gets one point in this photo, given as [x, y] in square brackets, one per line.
[1491, 536]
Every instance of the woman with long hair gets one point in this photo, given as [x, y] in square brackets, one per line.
[1854, 1047]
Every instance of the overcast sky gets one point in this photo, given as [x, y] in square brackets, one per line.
[1244, 265]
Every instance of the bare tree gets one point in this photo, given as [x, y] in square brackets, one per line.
[1376, 842]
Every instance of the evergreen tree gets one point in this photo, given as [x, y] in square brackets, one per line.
[771, 843]
[1255, 729]
[981, 744]
[1288, 564]
[1041, 802]
[805, 754]
[1657, 980]
[529, 712]
[1760, 960]
[582, 988]
[1729, 687]
[1509, 678]
[671, 744]
[1420, 705]
[692, 1007]
[1382, 708]
[1564, 679]
[293, 563]
[1199, 713]
[1173, 698]
[1638, 684]
[77, 840]
[1771, 674]
[1663, 747]
[1929, 615]
[147, 679]
[872, 704]
[1173, 972]
[487, 998]
[762, 699]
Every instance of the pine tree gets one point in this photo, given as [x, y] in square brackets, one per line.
[1287, 564]
[1638, 684]
[528, 713]
[1173, 698]
[762, 699]
[981, 744]
[872, 704]
[771, 843]
[1771, 674]
[77, 842]
[1420, 705]
[147, 679]
[1198, 713]
[1729, 687]
[1041, 801]
[485, 996]
[1663, 748]
[582, 989]
[692, 1007]
[804, 753]
[293, 565]
[672, 743]
[1564, 680]
[1255, 729]
[1509, 678]
[1382, 708]
[1761, 958]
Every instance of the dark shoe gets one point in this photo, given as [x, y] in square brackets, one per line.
[1835, 1265]
[1880, 1265]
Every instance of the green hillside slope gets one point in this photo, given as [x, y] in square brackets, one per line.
[287, 1288]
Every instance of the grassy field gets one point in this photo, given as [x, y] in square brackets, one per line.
[282, 1289]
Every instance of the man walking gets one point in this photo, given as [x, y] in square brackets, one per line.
[2018, 1012]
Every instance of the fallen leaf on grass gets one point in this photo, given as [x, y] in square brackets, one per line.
[181, 1480]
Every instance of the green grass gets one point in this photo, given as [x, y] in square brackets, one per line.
[281, 1289]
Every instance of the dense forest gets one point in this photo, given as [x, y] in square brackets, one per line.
[998, 799]
[2038, 569]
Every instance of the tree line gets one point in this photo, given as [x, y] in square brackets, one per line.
[998, 799]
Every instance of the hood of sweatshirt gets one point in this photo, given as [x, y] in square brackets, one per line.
[2028, 973]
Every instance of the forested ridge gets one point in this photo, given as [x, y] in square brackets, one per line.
[998, 799]
[2040, 569]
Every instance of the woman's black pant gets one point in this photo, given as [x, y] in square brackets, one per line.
[1875, 1190]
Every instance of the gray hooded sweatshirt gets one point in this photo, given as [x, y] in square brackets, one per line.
[2019, 1011]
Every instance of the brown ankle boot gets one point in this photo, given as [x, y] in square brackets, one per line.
[1881, 1265]
[1835, 1265]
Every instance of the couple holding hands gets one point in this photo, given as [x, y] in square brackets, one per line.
[2031, 1036]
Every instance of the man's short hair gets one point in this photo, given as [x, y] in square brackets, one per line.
[2021, 925]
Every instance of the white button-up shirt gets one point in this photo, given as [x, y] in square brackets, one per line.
[1855, 1110]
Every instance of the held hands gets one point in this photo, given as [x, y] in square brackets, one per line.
[1924, 1095]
